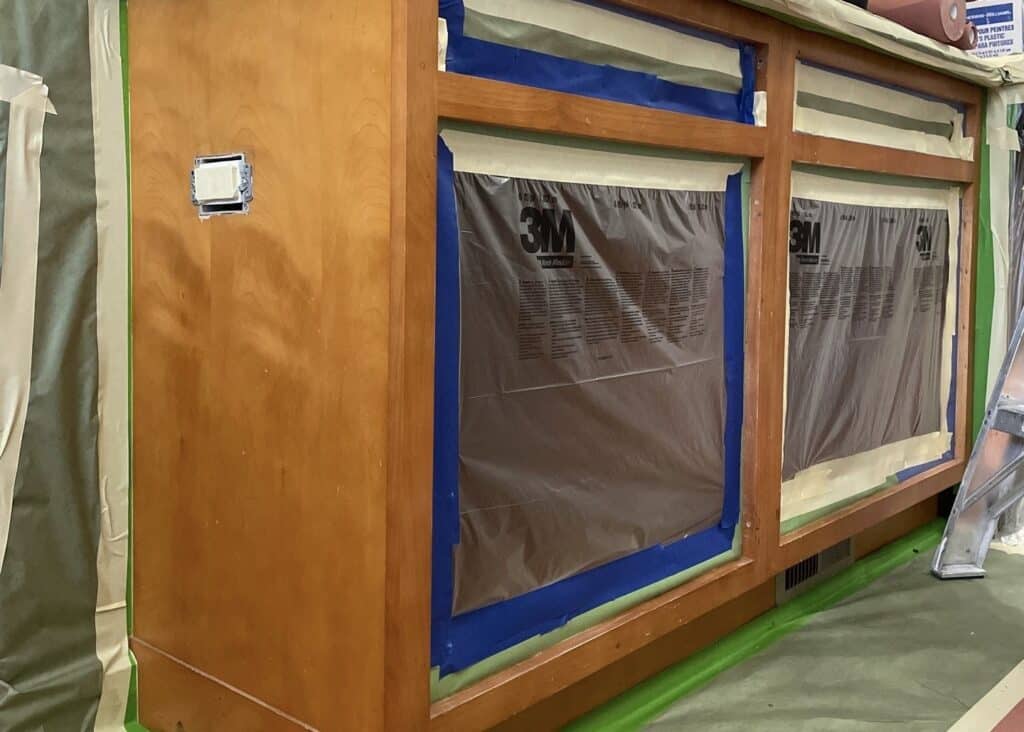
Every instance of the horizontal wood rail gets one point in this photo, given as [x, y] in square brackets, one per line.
[488, 102]
[727, 19]
[517, 687]
[835, 153]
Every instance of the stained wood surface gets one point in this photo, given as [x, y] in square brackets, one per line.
[261, 354]
[406, 701]
[175, 694]
[835, 153]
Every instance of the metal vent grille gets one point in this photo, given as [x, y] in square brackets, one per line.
[807, 573]
[801, 572]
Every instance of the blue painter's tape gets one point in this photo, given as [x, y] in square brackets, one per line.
[446, 399]
[460, 641]
[496, 61]
[734, 310]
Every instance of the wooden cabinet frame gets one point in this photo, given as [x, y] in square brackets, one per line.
[428, 96]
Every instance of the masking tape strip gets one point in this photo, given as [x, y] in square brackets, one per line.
[617, 30]
[112, 348]
[27, 96]
[815, 122]
[516, 158]
[442, 43]
[761, 109]
[834, 481]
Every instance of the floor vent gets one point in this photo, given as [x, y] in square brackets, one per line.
[805, 574]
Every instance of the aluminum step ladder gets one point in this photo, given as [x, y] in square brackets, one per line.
[994, 478]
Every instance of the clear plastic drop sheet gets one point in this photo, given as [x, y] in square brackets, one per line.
[867, 308]
[592, 401]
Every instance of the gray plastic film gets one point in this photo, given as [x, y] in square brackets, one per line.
[867, 299]
[592, 405]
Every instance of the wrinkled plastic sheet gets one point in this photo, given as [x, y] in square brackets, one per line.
[867, 292]
[599, 50]
[870, 340]
[593, 395]
[595, 389]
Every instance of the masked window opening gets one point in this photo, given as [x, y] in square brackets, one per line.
[592, 403]
[867, 295]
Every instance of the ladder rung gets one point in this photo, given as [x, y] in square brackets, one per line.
[995, 479]
[1009, 418]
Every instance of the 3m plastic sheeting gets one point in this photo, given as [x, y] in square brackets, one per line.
[64, 661]
[596, 50]
[590, 333]
[870, 337]
[834, 104]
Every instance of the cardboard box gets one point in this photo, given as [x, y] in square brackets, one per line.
[999, 27]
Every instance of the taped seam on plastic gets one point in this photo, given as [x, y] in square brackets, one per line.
[19, 242]
[467, 55]
[459, 642]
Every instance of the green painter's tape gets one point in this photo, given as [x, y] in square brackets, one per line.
[639, 705]
[131, 712]
[984, 288]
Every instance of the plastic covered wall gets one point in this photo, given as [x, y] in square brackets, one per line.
[64, 659]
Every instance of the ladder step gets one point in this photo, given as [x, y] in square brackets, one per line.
[1009, 418]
